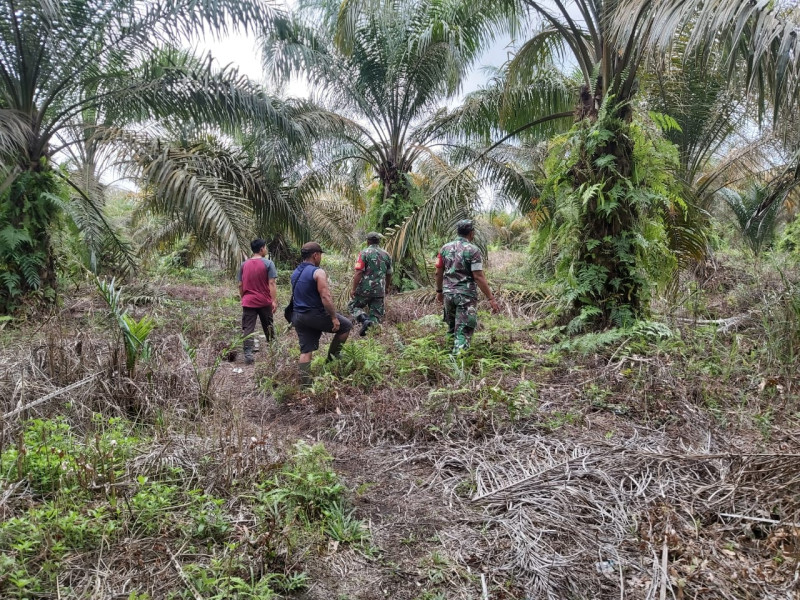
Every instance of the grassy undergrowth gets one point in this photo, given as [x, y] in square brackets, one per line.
[181, 478]
[89, 494]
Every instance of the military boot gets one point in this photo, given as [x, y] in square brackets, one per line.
[367, 323]
[249, 345]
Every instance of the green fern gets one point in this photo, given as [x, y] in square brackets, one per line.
[589, 343]
[30, 265]
[27, 214]
[12, 238]
[664, 122]
[11, 283]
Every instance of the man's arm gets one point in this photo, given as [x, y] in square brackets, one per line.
[273, 293]
[325, 295]
[483, 285]
[389, 273]
[356, 281]
[241, 291]
[439, 280]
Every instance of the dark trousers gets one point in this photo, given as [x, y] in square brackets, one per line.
[249, 317]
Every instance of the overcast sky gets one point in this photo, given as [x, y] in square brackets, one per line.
[242, 51]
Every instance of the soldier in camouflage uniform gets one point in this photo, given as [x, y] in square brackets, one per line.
[373, 277]
[459, 274]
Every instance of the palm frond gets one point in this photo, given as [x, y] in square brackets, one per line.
[499, 108]
[537, 54]
[756, 39]
[332, 220]
[15, 132]
[513, 173]
[451, 195]
[753, 161]
[188, 186]
[755, 210]
[217, 192]
[102, 239]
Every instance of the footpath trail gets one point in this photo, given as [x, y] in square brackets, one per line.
[410, 523]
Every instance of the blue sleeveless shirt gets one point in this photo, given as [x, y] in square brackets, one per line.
[306, 296]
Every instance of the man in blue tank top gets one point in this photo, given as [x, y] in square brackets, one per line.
[314, 311]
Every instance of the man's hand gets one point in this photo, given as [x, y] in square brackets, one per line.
[352, 293]
[274, 306]
[440, 297]
[335, 327]
[494, 305]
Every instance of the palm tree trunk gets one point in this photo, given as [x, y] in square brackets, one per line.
[607, 263]
[396, 193]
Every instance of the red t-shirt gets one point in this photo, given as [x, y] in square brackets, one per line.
[254, 275]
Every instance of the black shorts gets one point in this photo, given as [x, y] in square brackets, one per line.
[311, 326]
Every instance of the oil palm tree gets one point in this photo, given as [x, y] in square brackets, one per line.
[222, 191]
[74, 62]
[756, 224]
[523, 117]
[610, 41]
[384, 72]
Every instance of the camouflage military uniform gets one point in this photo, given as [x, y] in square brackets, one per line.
[376, 264]
[459, 259]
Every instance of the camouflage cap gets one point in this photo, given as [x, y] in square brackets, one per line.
[465, 225]
[374, 235]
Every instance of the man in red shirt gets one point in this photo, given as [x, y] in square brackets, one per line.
[256, 279]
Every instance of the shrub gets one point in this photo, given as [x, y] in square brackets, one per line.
[306, 486]
[362, 364]
[426, 359]
[52, 457]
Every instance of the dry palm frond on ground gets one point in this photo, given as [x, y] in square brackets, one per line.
[630, 520]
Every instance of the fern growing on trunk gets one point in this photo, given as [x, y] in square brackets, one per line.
[608, 189]
[28, 211]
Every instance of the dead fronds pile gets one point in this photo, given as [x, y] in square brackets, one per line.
[637, 520]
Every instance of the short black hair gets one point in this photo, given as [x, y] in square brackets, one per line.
[257, 244]
[310, 248]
